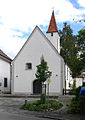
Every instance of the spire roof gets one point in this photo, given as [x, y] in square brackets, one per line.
[52, 26]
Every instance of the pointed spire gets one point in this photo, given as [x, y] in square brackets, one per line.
[52, 26]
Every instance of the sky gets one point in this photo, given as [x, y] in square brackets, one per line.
[19, 17]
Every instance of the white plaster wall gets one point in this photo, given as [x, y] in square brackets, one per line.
[62, 75]
[33, 50]
[79, 82]
[4, 72]
[69, 78]
[55, 40]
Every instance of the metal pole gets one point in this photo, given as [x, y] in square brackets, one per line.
[48, 95]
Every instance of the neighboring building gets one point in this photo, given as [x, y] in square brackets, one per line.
[5, 73]
[79, 81]
[69, 79]
[25, 62]
[83, 75]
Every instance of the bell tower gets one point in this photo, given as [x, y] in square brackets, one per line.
[52, 33]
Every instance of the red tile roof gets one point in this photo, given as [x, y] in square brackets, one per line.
[4, 55]
[80, 76]
[52, 26]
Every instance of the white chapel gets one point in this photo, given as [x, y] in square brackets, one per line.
[24, 64]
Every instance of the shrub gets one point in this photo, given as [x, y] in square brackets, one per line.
[77, 91]
[78, 103]
[38, 102]
[72, 92]
[75, 106]
[74, 85]
[83, 84]
[38, 106]
[55, 105]
[82, 104]
[43, 106]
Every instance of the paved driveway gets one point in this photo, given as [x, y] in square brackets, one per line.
[12, 105]
[10, 109]
[11, 116]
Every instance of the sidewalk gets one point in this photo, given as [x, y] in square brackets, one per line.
[23, 96]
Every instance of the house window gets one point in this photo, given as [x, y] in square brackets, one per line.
[28, 66]
[51, 33]
[5, 82]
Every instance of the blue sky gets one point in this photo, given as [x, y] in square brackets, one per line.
[75, 4]
[19, 17]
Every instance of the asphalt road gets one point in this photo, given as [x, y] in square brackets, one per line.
[10, 109]
[11, 116]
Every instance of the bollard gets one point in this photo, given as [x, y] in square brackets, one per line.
[63, 91]
[26, 101]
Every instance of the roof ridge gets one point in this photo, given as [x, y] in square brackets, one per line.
[29, 38]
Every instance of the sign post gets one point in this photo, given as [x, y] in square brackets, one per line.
[48, 92]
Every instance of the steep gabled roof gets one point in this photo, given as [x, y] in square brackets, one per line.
[52, 26]
[2, 54]
[44, 37]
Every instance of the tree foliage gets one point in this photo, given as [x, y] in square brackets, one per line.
[67, 41]
[42, 73]
[69, 49]
[73, 49]
[76, 66]
[81, 40]
[81, 46]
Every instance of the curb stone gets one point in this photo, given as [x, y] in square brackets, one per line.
[55, 118]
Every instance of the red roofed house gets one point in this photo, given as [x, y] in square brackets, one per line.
[5, 73]
[25, 62]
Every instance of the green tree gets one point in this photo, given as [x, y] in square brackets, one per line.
[81, 41]
[82, 57]
[75, 65]
[74, 85]
[42, 73]
[81, 47]
[68, 48]
[67, 41]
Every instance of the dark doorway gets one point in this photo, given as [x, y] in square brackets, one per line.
[37, 87]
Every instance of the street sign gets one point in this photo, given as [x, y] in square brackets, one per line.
[48, 80]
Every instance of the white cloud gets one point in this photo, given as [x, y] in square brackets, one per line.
[25, 14]
[81, 3]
